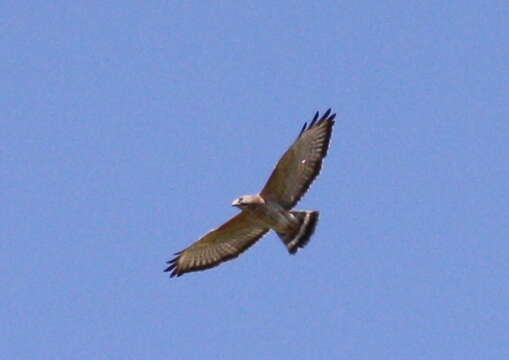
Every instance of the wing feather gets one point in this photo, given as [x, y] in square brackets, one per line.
[301, 163]
[218, 245]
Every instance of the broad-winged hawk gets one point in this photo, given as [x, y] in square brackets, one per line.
[270, 209]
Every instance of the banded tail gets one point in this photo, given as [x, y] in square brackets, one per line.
[300, 236]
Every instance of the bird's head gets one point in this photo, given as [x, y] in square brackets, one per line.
[248, 200]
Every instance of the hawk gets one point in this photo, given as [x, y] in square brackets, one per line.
[271, 209]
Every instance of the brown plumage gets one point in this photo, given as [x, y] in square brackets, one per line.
[269, 210]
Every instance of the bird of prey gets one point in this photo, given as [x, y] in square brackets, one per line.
[271, 209]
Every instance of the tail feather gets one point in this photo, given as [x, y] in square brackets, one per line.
[300, 236]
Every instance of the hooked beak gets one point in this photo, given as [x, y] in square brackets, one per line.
[236, 202]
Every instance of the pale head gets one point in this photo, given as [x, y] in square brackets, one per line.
[248, 200]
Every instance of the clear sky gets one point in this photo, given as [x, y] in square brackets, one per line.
[128, 127]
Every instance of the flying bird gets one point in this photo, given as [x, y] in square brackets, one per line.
[271, 209]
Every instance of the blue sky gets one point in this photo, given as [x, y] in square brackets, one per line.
[129, 127]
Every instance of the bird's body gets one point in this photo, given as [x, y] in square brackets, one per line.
[271, 209]
[268, 214]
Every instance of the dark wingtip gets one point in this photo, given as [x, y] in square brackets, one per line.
[175, 271]
[173, 265]
[325, 114]
[317, 120]
[328, 116]
[314, 119]
[169, 268]
[303, 129]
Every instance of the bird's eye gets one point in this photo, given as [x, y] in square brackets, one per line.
[240, 199]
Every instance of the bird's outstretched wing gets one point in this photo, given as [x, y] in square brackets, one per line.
[301, 163]
[224, 243]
